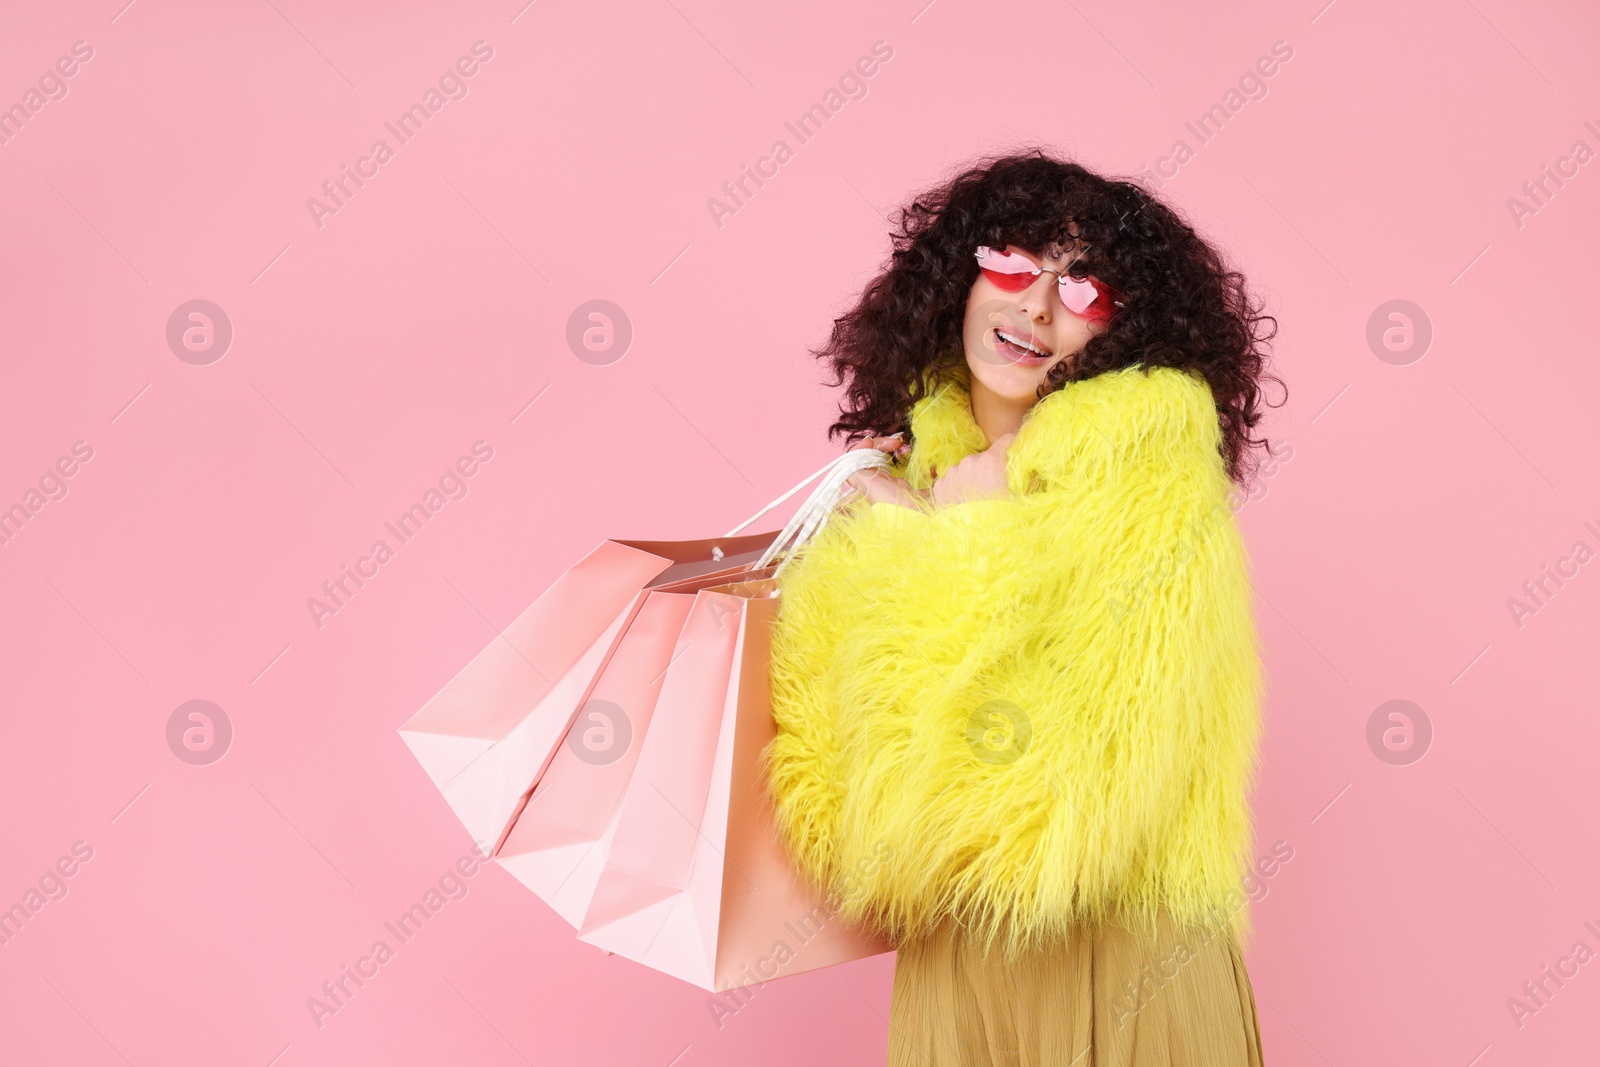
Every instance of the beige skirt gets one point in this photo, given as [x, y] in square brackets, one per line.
[1107, 999]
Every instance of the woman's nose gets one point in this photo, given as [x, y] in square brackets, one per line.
[1035, 300]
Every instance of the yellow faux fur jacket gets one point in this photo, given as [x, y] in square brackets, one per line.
[1031, 712]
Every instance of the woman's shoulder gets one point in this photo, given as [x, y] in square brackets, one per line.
[1123, 423]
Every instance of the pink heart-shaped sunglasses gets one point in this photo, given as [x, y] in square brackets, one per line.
[1014, 272]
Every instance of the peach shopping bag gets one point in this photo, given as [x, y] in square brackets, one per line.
[696, 882]
[550, 844]
[639, 680]
[485, 737]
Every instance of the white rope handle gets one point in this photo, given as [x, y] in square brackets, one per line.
[803, 483]
[819, 506]
[813, 513]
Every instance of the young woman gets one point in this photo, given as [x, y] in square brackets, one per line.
[1016, 677]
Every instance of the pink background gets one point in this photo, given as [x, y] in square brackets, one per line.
[369, 353]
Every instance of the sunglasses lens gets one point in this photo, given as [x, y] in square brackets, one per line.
[1006, 270]
[1079, 295]
[1104, 305]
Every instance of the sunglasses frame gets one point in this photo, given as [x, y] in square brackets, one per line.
[1106, 293]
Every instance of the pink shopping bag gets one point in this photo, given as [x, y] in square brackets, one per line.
[492, 740]
[696, 882]
[557, 840]
[486, 736]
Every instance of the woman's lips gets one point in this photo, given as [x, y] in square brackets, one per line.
[1016, 353]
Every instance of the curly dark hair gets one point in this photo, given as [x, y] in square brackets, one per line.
[1183, 306]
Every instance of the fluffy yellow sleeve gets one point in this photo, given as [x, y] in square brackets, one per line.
[1041, 709]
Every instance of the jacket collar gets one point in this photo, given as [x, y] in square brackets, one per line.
[1115, 418]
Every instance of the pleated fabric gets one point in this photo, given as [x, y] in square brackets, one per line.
[1109, 998]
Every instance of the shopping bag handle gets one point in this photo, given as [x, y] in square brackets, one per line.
[810, 516]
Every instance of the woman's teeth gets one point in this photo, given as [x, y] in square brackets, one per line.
[1023, 345]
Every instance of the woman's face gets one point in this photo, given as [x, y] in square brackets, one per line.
[1002, 329]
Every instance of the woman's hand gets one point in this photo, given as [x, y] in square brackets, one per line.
[979, 476]
[880, 487]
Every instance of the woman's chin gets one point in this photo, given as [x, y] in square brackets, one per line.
[1014, 381]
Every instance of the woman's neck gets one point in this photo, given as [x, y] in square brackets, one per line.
[997, 415]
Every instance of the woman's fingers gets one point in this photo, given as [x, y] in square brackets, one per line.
[975, 476]
[881, 488]
[892, 443]
[877, 486]
[868, 484]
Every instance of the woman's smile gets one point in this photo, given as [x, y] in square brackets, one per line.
[1021, 346]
